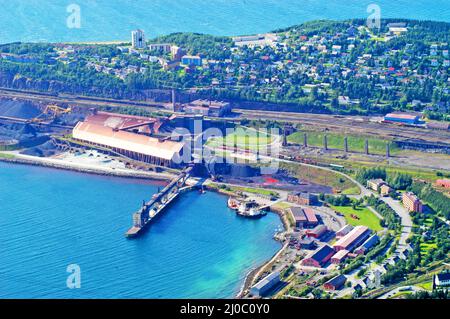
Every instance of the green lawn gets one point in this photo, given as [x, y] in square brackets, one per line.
[352, 191]
[425, 247]
[428, 222]
[339, 183]
[336, 141]
[244, 139]
[261, 191]
[426, 285]
[366, 217]
[401, 295]
[235, 189]
[8, 156]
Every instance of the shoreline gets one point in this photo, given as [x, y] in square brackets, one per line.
[67, 166]
[254, 274]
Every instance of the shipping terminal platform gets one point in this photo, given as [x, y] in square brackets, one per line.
[152, 209]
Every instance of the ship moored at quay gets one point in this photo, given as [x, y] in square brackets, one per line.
[245, 208]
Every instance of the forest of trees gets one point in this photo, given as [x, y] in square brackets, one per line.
[436, 200]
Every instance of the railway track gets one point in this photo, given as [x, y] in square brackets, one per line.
[80, 101]
[347, 124]
[25, 121]
[358, 124]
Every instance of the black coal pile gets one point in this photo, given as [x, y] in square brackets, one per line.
[70, 119]
[17, 131]
[243, 171]
[18, 109]
[44, 150]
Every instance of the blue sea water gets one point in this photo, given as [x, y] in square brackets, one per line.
[50, 219]
[106, 20]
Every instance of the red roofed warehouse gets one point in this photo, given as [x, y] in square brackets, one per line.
[335, 283]
[319, 257]
[304, 217]
[339, 257]
[310, 216]
[111, 131]
[353, 239]
[443, 183]
[302, 198]
[403, 118]
[317, 232]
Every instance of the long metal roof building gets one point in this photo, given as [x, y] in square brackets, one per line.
[136, 146]
[353, 238]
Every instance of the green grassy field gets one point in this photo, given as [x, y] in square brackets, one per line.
[261, 191]
[425, 247]
[8, 156]
[244, 139]
[401, 295]
[336, 141]
[426, 174]
[235, 189]
[426, 285]
[366, 217]
[339, 183]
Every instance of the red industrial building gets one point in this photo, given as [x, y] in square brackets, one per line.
[129, 136]
[335, 283]
[402, 118]
[304, 217]
[317, 232]
[311, 216]
[339, 257]
[319, 257]
[443, 183]
[302, 198]
[344, 231]
[353, 239]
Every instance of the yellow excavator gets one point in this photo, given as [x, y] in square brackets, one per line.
[51, 110]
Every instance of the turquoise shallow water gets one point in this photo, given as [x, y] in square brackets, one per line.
[103, 20]
[50, 219]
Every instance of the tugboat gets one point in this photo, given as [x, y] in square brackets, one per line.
[250, 210]
[233, 204]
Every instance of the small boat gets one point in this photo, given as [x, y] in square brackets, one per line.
[233, 204]
[250, 210]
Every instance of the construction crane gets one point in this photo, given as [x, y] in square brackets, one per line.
[51, 110]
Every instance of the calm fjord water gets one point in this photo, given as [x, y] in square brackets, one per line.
[106, 20]
[50, 219]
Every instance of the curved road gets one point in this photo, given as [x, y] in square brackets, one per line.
[402, 212]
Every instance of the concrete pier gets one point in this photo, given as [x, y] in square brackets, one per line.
[346, 144]
[366, 147]
[152, 209]
[325, 142]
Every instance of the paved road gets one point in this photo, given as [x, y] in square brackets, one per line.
[400, 289]
[407, 222]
